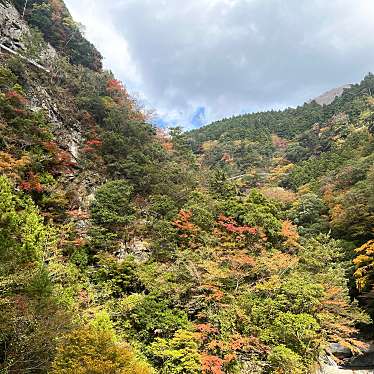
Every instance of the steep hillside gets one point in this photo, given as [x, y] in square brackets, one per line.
[124, 249]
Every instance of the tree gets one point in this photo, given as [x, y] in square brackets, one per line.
[178, 355]
[112, 206]
[285, 361]
[30, 317]
[364, 263]
[89, 349]
[112, 212]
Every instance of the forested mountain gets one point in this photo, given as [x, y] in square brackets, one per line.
[242, 247]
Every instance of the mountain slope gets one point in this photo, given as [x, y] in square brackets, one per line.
[127, 250]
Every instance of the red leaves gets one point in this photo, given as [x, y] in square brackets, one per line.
[115, 86]
[92, 145]
[31, 184]
[15, 98]
[21, 303]
[231, 226]
[16, 101]
[248, 344]
[61, 157]
[94, 142]
[51, 147]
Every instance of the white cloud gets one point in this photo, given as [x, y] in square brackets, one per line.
[99, 29]
[230, 56]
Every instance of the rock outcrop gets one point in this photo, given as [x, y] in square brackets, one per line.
[12, 27]
[329, 96]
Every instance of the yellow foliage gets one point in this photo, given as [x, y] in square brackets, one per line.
[289, 232]
[338, 213]
[370, 100]
[209, 145]
[279, 194]
[9, 163]
[304, 189]
[364, 263]
[280, 170]
[277, 263]
[88, 350]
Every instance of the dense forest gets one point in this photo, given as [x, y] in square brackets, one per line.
[246, 246]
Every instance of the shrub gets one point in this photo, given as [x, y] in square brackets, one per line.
[93, 350]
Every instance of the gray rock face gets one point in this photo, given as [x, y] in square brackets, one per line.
[13, 30]
[12, 27]
[362, 364]
[135, 247]
[329, 96]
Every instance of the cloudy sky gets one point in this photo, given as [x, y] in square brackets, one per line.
[194, 61]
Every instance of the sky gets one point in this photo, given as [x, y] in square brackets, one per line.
[196, 61]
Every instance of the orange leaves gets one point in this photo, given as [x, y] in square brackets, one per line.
[220, 353]
[279, 262]
[94, 143]
[88, 120]
[227, 158]
[211, 364]
[57, 10]
[79, 242]
[279, 194]
[78, 214]
[329, 194]
[334, 300]
[290, 234]
[337, 212]
[213, 292]
[241, 259]
[168, 146]
[247, 344]
[206, 328]
[9, 163]
[122, 99]
[184, 225]
[165, 140]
